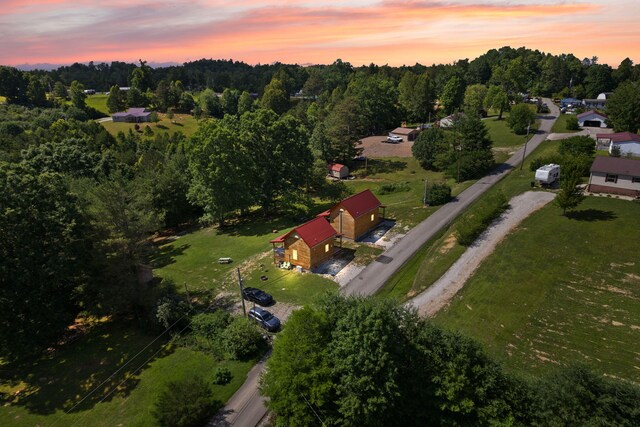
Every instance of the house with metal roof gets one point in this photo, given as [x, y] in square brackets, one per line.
[627, 142]
[615, 175]
[355, 216]
[306, 246]
[592, 118]
[132, 115]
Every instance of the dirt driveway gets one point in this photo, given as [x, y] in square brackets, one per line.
[374, 147]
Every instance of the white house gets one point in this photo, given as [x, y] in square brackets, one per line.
[605, 95]
[615, 175]
[629, 143]
[595, 103]
[592, 119]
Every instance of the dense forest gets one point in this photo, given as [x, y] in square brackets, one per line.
[78, 204]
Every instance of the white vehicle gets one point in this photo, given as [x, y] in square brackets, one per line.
[394, 139]
[548, 174]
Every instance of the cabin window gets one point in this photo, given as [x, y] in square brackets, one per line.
[373, 217]
[326, 247]
[635, 179]
[294, 254]
[611, 178]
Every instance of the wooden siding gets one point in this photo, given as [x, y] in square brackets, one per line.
[308, 258]
[355, 228]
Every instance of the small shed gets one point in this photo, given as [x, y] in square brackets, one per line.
[592, 118]
[336, 170]
[355, 216]
[407, 134]
[306, 246]
[615, 175]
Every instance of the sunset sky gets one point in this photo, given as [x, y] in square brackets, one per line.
[393, 32]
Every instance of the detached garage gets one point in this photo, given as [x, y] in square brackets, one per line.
[407, 134]
[592, 119]
[336, 170]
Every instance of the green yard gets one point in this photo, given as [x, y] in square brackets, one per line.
[502, 135]
[560, 290]
[185, 123]
[99, 102]
[41, 392]
[560, 125]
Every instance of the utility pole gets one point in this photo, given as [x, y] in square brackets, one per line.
[244, 308]
[187, 290]
[526, 139]
[425, 192]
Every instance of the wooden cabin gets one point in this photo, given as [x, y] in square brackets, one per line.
[356, 215]
[307, 245]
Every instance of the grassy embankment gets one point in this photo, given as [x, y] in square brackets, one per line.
[185, 123]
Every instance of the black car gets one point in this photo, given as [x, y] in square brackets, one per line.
[256, 295]
[265, 319]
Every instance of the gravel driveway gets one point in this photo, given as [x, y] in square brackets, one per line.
[444, 289]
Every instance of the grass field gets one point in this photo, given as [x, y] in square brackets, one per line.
[99, 102]
[560, 290]
[41, 392]
[502, 135]
[185, 123]
[560, 126]
[435, 258]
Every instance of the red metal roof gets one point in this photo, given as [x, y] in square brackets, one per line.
[312, 232]
[361, 203]
[619, 137]
[335, 167]
[616, 165]
[588, 113]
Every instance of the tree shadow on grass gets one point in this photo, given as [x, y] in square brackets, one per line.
[61, 380]
[592, 215]
[379, 166]
[166, 254]
[253, 226]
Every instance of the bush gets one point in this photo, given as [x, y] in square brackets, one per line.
[210, 325]
[520, 117]
[572, 123]
[154, 117]
[241, 339]
[541, 161]
[577, 145]
[185, 403]
[439, 194]
[222, 376]
[171, 310]
[148, 131]
[472, 224]
[615, 151]
[396, 187]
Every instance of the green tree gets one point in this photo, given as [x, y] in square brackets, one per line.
[36, 91]
[210, 104]
[59, 91]
[572, 123]
[599, 79]
[241, 339]
[275, 97]
[577, 145]
[428, 145]
[186, 103]
[136, 98]
[321, 144]
[185, 403]
[116, 101]
[453, 95]
[624, 71]
[77, 95]
[474, 97]
[162, 96]
[496, 99]
[623, 108]
[570, 195]
[345, 126]
[229, 101]
[377, 97]
[520, 118]
[415, 95]
[13, 85]
[42, 259]
[472, 147]
[141, 77]
[245, 103]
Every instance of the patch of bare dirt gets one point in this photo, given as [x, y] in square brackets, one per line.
[448, 243]
[373, 146]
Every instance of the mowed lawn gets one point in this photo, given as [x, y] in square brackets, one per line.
[99, 102]
[560, 126]
[42, 392]
[560, 290]
[185, 123]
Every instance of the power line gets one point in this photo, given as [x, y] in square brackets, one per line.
[311, 407]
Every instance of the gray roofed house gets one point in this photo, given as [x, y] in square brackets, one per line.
[615, 175]
[133, 115]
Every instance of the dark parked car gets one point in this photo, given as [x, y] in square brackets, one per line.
[265, 319]
[256, 295]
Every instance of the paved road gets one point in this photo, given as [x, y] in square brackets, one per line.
[376, 274]
[246, 407]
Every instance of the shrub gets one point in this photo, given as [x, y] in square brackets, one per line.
[170, 113]
[185, 403]
[154, 117]
[472, 224]
[222, 376]
[210, 325]
[572, 123]
[439, 194]
[577, 145]
[241, 339]
[171, 309]
[520, 117]
[148, 131]
[541, 161]
[615, 151]
[396, 187]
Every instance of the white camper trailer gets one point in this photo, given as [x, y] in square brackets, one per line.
[548, 174]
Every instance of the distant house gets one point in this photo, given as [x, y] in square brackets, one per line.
[448, 121]
[336, 170]
[615, 175]
[629, 143]
[592, 119]
[595, 103]
[89, 91]
[133, 115]
[605, 95]
[570, 102]
[306, 246]
[407, 134]
[356, 215]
